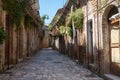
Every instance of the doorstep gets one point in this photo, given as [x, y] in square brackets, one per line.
[111, 77]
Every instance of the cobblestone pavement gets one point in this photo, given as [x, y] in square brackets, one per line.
[50, 65]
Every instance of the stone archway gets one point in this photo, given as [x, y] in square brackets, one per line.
[106, 30]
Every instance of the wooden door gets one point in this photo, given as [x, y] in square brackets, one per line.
[115, 49]
[90, 41]
[7, 43]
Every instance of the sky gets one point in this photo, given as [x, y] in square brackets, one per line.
[50, 7]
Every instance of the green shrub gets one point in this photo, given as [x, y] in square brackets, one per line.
[69, 31]
[2, 35]
[77, 17]
[15, 9]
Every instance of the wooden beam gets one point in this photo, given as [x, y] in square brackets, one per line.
[115, 20]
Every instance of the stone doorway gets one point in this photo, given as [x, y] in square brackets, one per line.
[111, 41]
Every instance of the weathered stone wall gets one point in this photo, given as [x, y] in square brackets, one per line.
[93, 52]
[105, 36]
[46, 39]
[97, 11]
[93, 48]
[21, 43]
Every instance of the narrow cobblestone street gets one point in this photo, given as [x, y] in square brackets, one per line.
[50, 65]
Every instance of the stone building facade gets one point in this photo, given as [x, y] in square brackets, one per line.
[20, 42]
[46, 37]
[98, 42]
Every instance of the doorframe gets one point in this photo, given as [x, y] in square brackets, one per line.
[106, 53]
[114, 47]
[89, 40]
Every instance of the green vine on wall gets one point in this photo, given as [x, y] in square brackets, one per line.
[50, 26]
[15, 9]
[28, 22]
[69, 31]
[2, 35]
[66, 30]
[77, 17]
[57, 17]
[62, 30]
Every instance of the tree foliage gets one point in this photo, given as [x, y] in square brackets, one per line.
[77, 17]
[2, 35]
[57, 17]
[28, 22]
[69, 31]
[43, 19]
[62, 30]
[15, 9]
[50, 26]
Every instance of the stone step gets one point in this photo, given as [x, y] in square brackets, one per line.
[111, 77]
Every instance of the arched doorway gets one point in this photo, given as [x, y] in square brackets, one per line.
[111, 42]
